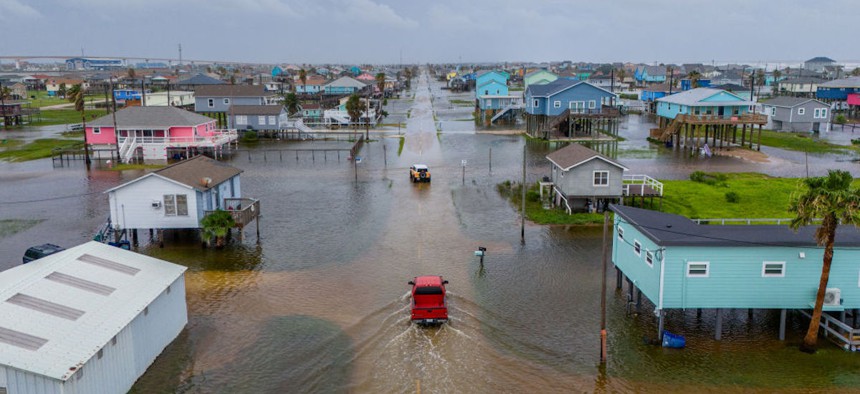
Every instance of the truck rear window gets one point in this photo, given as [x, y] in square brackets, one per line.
[428, 290]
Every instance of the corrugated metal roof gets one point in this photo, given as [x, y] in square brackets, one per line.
[789, 102]
[694, 97]
[575, 154]
[850, 82]
[346, 82]
[51, 325]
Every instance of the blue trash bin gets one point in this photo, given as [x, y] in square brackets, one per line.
[673, 341]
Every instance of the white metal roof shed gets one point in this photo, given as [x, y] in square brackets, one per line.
[58, 311]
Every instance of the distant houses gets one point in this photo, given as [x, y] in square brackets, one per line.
[258, 117]
[797, 114]
[800, 86]
[539, 77]
[650, 74]
[216, 100]
[818, 64]
[343, 86]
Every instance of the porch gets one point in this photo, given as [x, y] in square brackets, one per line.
[243, 211]
[155, 148]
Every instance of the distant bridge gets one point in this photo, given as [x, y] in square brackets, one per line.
[18, 58]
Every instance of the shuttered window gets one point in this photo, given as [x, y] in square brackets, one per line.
[698, 269]
[620, 233]
[649, 258]
[773, 269]
[637, 248]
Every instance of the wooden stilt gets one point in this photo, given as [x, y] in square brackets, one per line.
[618, 275]
[719, 326]
[782, 314]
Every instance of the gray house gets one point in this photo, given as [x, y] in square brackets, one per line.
[583, 179]
[258, 117]
[219, 98]
[797, 114]
[818, 63]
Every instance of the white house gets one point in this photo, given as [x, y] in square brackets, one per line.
[177, 196]
[90, 319]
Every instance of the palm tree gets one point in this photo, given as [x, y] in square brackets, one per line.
[303, 76]
[355, 107]
[694, 76]
[855, 72]
[131, 73]
[380, 82]
[216, 225]
[408, 73]
[76, 96]
[291, 102]
[777, 75]
[621, 73]
[832, 199]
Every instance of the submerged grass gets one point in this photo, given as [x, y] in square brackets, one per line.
[803, 142]
[38, 149]
[13, 226]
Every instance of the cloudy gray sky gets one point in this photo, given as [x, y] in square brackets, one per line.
[377, 31]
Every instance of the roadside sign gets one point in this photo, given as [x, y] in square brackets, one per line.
[463, 163]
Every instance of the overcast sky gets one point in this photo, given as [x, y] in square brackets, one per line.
[378, 31]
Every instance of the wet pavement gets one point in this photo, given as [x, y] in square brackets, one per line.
[320, 304]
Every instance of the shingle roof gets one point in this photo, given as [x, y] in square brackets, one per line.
[693, 98]
[201, 79]
[850, 82]
[231, 91]
[674, 230]
[802, 80]
[92, 292]
[151, 117]
[656, 71]
[347, 82]
[788, 102]
[820, 59]
[550, 88]
[256, 109]
[193, 171]
[576, 154]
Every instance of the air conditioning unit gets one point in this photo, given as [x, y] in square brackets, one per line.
[156, 205]
[832, 297]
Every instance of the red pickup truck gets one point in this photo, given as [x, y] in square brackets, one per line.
[428, 300]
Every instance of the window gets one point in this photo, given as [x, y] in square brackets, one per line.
[775, 269]
[801, 111]
[211, 102]
[592, 104]
[273, 120]
[698, 269]
[175, 205]
[773, 111]
[535, 103]
[241, 119]
[649, 257]
[226, 101]
[816, 113]
[498, 91]
[620, 233]
[601, 178]
[486, 92]
[556, 104]
[824, 113]
[97, 130]
[637, 248]
[261, 120]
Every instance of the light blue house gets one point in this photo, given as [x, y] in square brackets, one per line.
[703, 101]
[678, 264]
[560, 95]
[491, 91]
[650, 74]
[343, 86]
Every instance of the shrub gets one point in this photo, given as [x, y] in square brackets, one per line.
[840, 119]
[709, 178]
[733, 197]
[250, 136]
[532, 195]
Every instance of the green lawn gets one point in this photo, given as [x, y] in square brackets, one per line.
[467, 103]
[43, 100]
[38, 149]
[758, 196]
[803, 142]
[59, 116]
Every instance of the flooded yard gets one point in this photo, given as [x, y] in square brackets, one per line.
[320, 303]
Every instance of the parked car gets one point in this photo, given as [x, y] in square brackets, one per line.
[419, 173]
[37, 252]
[429, 306]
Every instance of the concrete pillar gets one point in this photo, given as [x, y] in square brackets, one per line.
[638, 299]
[618, 275]
[782, 314]
[660, 325]
[719, 326]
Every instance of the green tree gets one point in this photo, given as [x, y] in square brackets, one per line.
[76, 96]
[291, 102]
[62, 90]
[380, 82]
[408, 74]
[621, 73]
[303, 76]
[834, 201]
[131, 73]
[855, 72]
[354, 107]
[694, 77]
[777, 75]
[216, 225]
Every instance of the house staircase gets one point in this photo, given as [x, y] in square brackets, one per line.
[670, 130]
[511, 107]
[334, 116]
[127, 149]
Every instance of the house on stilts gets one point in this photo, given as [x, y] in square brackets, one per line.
[692, 117]
[492, 98]
[566, 109]
[679, 264]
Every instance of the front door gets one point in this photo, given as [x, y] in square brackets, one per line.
[721, 111]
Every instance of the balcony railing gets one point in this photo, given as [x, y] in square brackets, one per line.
[243, 210]
[216, 138]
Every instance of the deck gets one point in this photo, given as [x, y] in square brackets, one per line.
[243, 210]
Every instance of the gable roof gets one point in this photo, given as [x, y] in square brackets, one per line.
[201, 79]
[850, 82]
[695, 97]
[256, 109]
[789, 102]
[151, 117]
[231, 91]
[99, 289]
[575, 154]
[347, 82]
[820, 59]
[191, 172]
[667, 229]
[558, 86]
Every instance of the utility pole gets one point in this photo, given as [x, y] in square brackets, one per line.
[603, 288]
[180, 55]
[523, 196]
[115, 131]
[3, 104]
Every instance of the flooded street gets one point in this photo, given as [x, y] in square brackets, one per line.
[321, 303]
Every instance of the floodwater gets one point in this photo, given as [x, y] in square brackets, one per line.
[320, 303]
